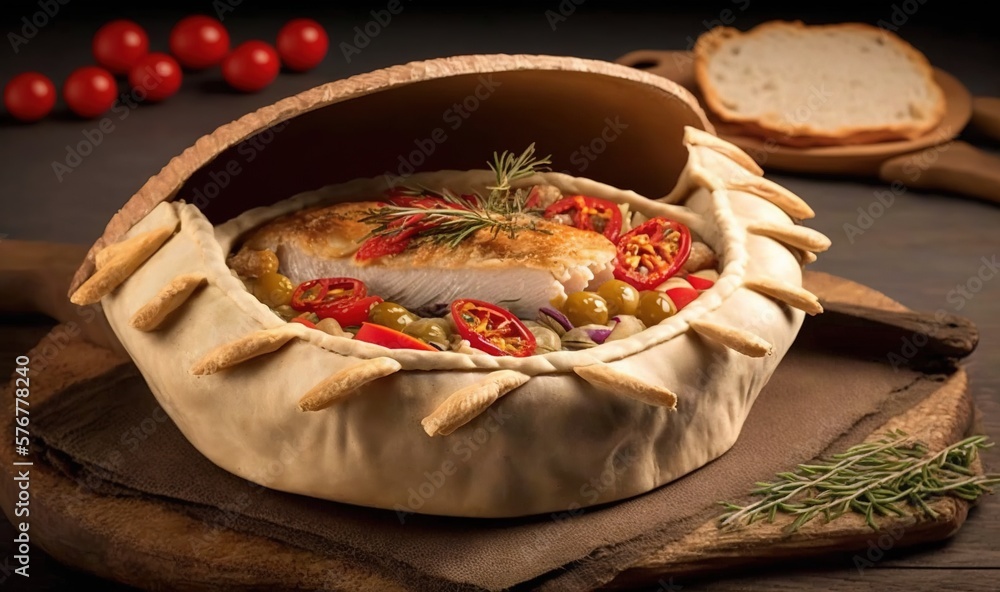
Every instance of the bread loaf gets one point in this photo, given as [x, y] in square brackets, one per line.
[818, 85]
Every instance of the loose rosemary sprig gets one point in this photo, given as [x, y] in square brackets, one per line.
[893, 476]
[498, 211]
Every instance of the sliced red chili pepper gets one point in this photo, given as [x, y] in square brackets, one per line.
[303, 321]
[700, 283]
[682, 296]
[589, 213]
[344, 299]
[492, 329]
[314, 294]
[390, 338]
[350, 314]
[652, 252]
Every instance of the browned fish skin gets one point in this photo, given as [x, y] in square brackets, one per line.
[334, 231]
[523, 273]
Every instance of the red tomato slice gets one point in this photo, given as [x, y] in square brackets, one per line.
[492, 329]
[700, 283]
[390, 338]
[589, 213]
[652, 253]
[682, 296]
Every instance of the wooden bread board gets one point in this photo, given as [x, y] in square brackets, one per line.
[143, 543]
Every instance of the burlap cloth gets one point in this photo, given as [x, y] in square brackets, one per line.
[118, 441]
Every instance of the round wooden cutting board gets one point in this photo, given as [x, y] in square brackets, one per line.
[141, 542]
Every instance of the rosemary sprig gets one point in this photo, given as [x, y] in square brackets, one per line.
[498, 211]
[893, 476]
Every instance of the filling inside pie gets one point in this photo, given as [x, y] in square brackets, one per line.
[500, 271]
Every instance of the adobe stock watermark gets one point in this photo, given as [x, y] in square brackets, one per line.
[878, 547]
[726, 17]
[94, 136]
[222, 7]
[32, 24]
[913, 169]
[957, 297]
[464, 448]
[232, 511]
[61, 336]
[587, 153]
[564, 10]
[221, 176]
[453, 118]
[590, 493]
[364, 34]
[899, 15]
[817, 97]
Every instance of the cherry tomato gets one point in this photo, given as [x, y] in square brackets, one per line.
[492, 329]
[199, 42]
[251, 66]
[302, 44]
[652, 252]
[90, 91]
[588, 213]
[157, 74]
[29, 96]
[390, 338]
[119, 44]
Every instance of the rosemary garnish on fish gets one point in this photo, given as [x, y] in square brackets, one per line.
[450, 219]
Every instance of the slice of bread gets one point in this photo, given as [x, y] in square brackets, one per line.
[818, 85]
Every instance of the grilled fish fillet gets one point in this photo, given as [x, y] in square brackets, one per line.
[522, 273]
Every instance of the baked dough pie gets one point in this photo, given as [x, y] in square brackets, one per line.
[427, 350]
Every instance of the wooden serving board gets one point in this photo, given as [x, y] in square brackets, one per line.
[934, 161]
[140, 542]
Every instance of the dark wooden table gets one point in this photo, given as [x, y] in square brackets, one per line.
[928, 251]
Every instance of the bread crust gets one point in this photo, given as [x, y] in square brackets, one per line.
[803, 135]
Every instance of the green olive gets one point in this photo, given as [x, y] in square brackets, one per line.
[392, 315]
[585, 308]
[654, 307]
[273, 289]
[429, 330]
[622, 298]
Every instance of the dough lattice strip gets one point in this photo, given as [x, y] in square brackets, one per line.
[169, 299]
[245, 348]
[124, 260]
